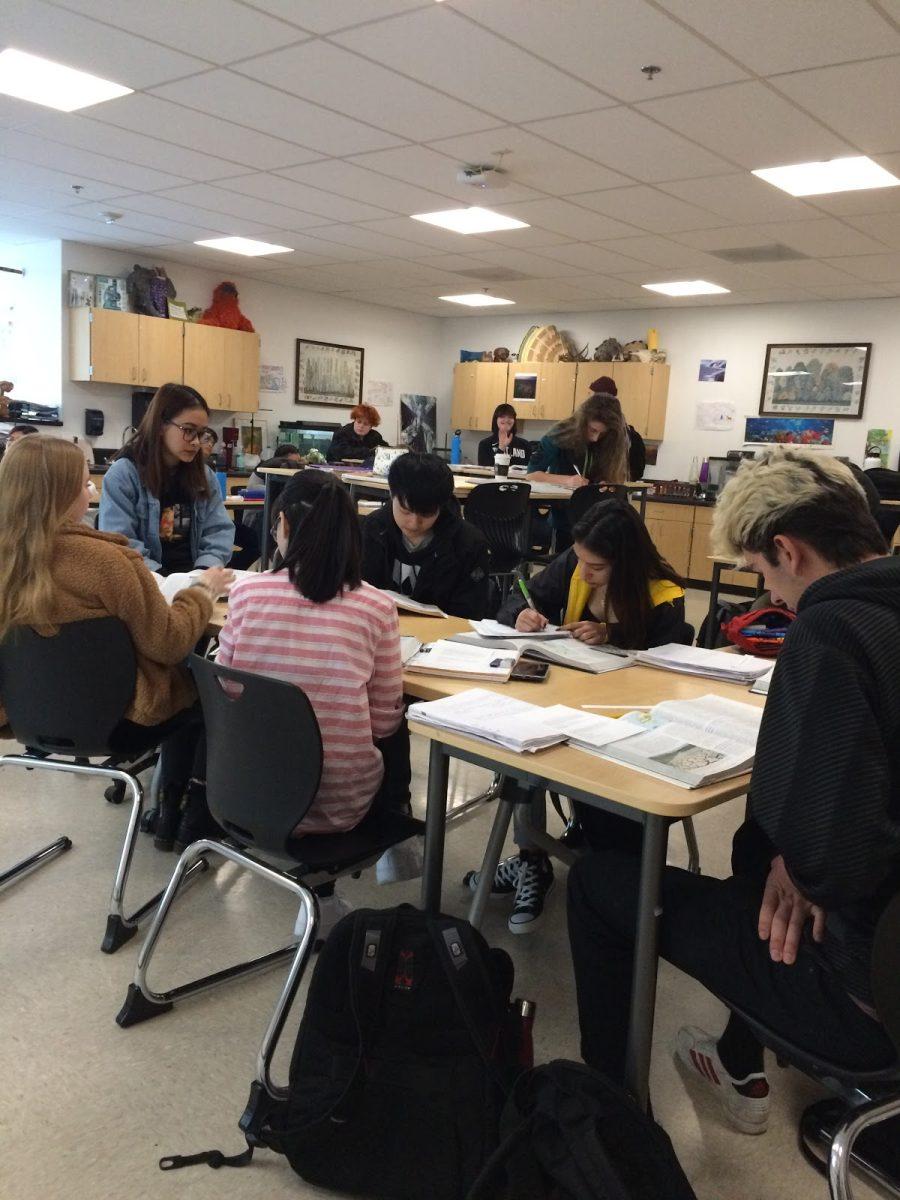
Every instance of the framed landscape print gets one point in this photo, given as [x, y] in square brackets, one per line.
[810, 379]
[328, 373]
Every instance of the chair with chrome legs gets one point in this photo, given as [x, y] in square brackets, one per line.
[833, 1132]
[502, 512]
[64, 696]
[264, 764]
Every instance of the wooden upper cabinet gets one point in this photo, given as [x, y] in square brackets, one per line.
[104, 346]
[477, 390]
[659, 394]
[204, 362]
[161, 358]
[556, 393]
[241, 378]
[633, 381]
[643, 390]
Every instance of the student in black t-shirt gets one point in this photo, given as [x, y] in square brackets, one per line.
[503, 439]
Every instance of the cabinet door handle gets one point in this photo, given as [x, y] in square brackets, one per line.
[144, 375]
[134, 374]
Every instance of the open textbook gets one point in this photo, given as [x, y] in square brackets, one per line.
[171, 585]
[713, 664]
[502, 720]
[556, 646]
[405, 604]
[689, 742]
[464, 662]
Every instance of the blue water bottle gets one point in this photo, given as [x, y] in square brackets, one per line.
[222, 479]
[456, 448]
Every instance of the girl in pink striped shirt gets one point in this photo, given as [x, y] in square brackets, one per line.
[314, 623]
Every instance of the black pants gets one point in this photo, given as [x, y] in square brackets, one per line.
[181, 740]
[708, 930]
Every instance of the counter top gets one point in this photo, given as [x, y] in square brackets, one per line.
[694, 501]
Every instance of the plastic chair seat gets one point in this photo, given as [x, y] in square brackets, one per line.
[336, 852]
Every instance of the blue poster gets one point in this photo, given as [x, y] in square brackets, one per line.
[790, 431]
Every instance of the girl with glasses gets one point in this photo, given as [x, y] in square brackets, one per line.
[160, 493]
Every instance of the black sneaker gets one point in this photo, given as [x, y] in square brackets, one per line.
[506, 877]
[535, 882]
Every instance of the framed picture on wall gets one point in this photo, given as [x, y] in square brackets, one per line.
[815, 379]
[328, 373]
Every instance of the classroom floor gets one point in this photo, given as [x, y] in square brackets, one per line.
[86, 1108]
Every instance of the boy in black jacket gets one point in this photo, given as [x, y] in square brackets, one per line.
[419, 545]
[788, 938]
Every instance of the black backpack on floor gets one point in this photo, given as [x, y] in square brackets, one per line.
[571, 1134]
[406, 1054]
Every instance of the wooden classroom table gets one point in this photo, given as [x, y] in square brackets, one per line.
[579, 775]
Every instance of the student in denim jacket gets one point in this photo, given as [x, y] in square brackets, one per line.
[161, 495]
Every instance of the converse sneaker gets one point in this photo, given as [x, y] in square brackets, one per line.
[533, 886]
[746, 1101]
[506, 877]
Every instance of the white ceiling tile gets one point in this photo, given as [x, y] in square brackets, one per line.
[608, 287]
[217, 30]
[454, 262]
[859, 100]
[246, 102]
[820, 238]
[423, 234]
[806, 272]
[174, 124]
[657, 251]
[423, 167]
[204, 195]
[373, 243]
[588, 257]
[192, 214]
[771, 36]
[472, 64]
[89, 46]
[872, 267]
[771, 295]
[533, 161]
[50, 189]
[307, 199]
[562, 217]
[575, 35]
[740, 197]
[102, 138]
[726, 275]
[140, 222]
[749, 124]
[883, 226]
[649, 209]
[631, 143]
[855, 289]
[325, 16]
[346, 83]
[522, 239]
[343, 178]
[526, 262]
[81, 164]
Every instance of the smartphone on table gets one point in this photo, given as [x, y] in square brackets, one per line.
[527, 670]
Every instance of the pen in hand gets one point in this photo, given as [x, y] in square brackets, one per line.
[525, 592]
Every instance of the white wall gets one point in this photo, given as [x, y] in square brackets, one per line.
[400, 347]
[38, 317]
[738, 333]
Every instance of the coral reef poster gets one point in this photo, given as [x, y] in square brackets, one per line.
[790, 431]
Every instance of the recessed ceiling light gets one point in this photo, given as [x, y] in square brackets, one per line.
[476, 299]
[686, 287]
[242, 245]
[41, 81]
[836, 175]
[470, 220]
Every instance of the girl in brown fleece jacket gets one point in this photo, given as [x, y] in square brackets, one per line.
[54, 570]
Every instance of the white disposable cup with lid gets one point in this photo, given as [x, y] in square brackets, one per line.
[501, 464]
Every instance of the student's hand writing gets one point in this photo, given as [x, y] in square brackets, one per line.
[576, 481]
[216, 580]
[784, 913]
[529, 621]
[593, 633]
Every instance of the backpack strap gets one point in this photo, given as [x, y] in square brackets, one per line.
[459, 952]
[370, 952]
[511, 1171]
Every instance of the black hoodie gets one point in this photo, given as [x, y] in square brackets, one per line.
[825, 791]
[453, 567]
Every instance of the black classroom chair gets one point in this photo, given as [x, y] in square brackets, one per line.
[64, 696]
[586, 497]
[264, 764]
[829, 1128]
[502, 511]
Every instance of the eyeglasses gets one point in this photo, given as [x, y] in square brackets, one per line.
[191, 433]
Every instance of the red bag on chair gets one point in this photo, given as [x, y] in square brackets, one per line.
[760, 631]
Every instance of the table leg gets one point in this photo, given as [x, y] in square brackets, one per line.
[435, 827]
[643, 505]
[711, 630]
[492, 853]
[646, 955]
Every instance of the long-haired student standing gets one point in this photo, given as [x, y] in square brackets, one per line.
[611, 587]
[160, 493]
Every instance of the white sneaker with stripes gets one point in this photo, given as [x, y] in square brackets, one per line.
[746, 1101]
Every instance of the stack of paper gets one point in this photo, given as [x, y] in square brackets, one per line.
[713, 664]
[588, 731]
[464, 662]
[171, 585]
[762, 684]
[495, 629]
[406, 604]
[489, 717]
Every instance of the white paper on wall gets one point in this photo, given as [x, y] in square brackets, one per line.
[715, 414]
[379, 393]
[271, 378]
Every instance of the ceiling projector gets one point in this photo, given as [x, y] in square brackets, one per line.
[483, 175]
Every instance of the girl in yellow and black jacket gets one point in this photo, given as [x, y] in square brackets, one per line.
[611, 587]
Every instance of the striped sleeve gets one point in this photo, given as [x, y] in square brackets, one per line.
[385, 687]
[231, 631]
